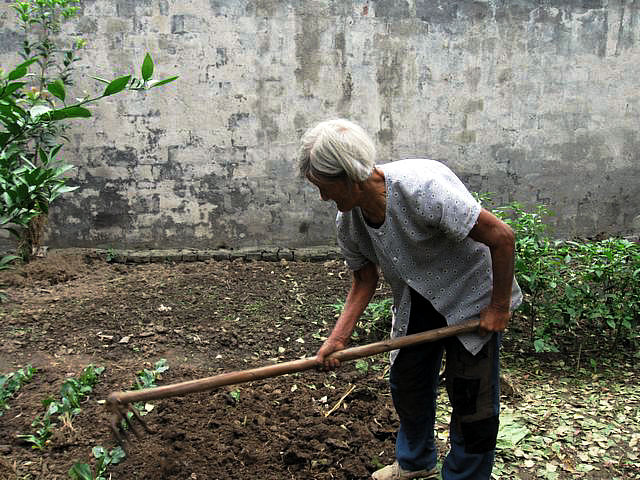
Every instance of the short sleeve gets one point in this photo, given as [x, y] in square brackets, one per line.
[441, 201]
[460, 212]
[349, 246]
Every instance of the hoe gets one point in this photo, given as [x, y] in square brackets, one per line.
[119, 403]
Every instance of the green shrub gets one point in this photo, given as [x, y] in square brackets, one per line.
[34, 108]
[573, 288]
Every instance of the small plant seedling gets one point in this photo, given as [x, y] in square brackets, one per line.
[111, 254]
[146, 378]
[11, 383]
[235, 395]
[39, 439]
[362, 366]
[104, 458]
[72, 392]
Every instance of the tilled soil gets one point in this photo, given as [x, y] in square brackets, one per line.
[73, 309]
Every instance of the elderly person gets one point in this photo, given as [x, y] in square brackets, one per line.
[448, 261]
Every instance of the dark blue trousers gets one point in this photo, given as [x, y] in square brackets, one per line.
[473, 387]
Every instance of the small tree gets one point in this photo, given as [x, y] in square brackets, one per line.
[34, 108]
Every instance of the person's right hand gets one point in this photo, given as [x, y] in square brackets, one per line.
[328, 347]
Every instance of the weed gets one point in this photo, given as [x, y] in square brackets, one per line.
[255, 307]
[374, 322]
[362, 366]
[147, 377]
[235, 395]
[111, 254]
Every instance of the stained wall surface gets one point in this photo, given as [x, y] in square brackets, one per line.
[534, 101]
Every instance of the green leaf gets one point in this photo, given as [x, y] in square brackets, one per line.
[98, 451]
[510, 433]
[6, 198]
[80, 471]
[43, 156]
[7, 259]
[147, 67]
[54, 407]
[101, 79]
[117, 455]
[68, 112]
[19, 72]
[54, 151]
[65, 189]
[4, 138]
[57, 89]
[163, 82]
[116, 85]
[12, 87]
[27, 62]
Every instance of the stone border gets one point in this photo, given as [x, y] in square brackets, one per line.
[268, 254]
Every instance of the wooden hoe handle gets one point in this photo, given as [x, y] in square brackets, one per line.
[250, 375]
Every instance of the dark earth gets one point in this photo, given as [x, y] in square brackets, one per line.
[70, 310]
[74, 308]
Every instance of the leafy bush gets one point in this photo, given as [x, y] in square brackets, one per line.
[33, 109]
[600, 289]
[573, 288]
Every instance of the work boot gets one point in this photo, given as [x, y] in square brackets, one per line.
[396, 472]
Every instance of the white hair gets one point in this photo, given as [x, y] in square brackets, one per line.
[336, 148]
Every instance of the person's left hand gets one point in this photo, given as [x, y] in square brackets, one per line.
[494, 319]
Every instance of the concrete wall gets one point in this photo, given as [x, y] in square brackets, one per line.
[536, 101]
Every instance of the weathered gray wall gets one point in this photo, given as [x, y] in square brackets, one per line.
[537, 101]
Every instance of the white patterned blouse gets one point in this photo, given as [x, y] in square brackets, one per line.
[424, 244]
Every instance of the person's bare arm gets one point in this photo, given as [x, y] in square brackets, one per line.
[500, 239]
[362, 289]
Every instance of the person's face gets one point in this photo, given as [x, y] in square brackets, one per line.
[340, 190]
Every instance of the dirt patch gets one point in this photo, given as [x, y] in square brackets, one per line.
[69, 310]
[73, 309]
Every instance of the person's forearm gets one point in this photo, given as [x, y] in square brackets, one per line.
[502, 264]
[362, 289]
[500, 239]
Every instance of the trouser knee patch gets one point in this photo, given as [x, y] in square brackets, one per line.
[480, 436]
[465, 395]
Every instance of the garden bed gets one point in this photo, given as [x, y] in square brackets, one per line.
[73, 309]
